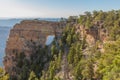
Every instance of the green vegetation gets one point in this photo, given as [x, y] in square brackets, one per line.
[3, 75]
[70, 57]
[109, 63]
[110, 21]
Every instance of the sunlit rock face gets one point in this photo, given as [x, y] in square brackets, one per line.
[93, 33]
[25, 37]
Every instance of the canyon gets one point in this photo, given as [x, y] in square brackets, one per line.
[26, 36]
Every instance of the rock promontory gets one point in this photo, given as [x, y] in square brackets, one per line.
[24, 37]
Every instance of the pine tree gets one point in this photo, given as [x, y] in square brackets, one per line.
[32, 76]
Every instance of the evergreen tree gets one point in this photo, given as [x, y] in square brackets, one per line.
[32, 76]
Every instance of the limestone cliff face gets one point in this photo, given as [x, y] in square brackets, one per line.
[24, 37]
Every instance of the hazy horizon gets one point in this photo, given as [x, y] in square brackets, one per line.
[52, 8]
[7, 18]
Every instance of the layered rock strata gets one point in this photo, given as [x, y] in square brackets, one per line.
[25, 37]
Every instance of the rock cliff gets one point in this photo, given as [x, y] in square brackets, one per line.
[24, 37]
[94, 33]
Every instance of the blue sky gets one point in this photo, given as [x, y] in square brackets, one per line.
[53, 8]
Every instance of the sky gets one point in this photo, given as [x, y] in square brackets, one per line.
[53, 8]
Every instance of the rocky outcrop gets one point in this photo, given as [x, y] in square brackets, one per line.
[94, 33]
[24, 38]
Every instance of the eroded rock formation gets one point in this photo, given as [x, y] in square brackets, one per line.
[94, 33]
[24, 37]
